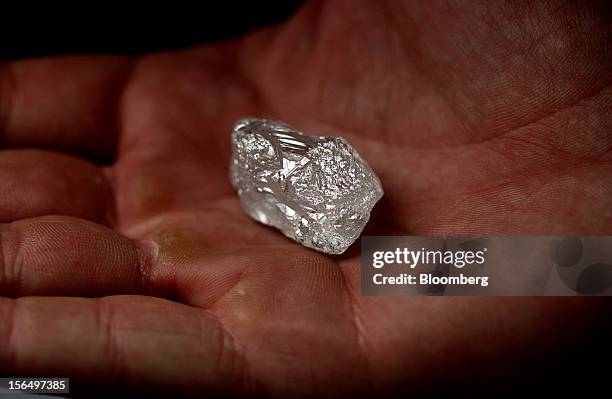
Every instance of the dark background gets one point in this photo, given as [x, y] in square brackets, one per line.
[32, 30]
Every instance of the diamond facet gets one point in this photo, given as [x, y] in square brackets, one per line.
[316, 190]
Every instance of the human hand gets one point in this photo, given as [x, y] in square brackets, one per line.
[479, 119]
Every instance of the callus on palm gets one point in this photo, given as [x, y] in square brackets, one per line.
[316, 190]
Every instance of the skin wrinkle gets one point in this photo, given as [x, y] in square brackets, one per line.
[506, 181]
[220, 354]
[11, 345]
[526, 197]
[115, 115]
[360, 337]
[4, 279]
[149, 226]
[127, 142]
[570, 161]
[237, 353]
[147, 256]
[563, 158]
[38, 183]
[414, 146]
[13, 259]
[566, 161]
[118, 116]
[566, 108]
[594, 92]
[119, 125]
[230, 289]
[591, 92]
[104, 315]
[111, 212]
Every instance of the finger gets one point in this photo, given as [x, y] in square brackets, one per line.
[124, 339]
[37, 183]
[58, 255]
[64, 103]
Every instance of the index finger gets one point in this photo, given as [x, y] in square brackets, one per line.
[69, 104]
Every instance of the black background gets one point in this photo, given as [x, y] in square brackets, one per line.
[32, 30]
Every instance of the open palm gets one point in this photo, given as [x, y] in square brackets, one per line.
[126, 258]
